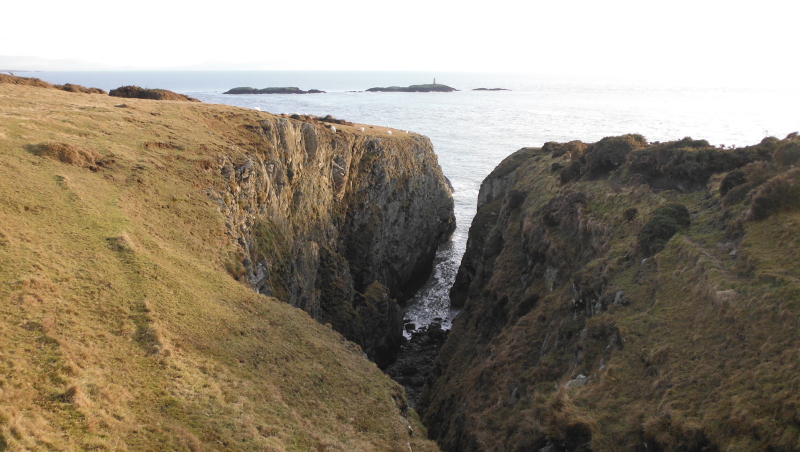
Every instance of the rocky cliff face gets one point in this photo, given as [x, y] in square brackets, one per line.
[337, 222]
[625, 295]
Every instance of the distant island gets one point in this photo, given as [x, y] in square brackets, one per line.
[491, 89]
[272, 90]
[429, 88]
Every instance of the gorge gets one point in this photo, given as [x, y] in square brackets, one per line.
[188, 276]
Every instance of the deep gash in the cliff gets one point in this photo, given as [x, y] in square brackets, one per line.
[341, 224]
[416, 358]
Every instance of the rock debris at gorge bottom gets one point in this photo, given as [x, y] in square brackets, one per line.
[416, 359]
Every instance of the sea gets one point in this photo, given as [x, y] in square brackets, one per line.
[473, 131]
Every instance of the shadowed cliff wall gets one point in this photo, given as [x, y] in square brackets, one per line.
[337, 222]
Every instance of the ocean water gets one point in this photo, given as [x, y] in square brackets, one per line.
[472, 131]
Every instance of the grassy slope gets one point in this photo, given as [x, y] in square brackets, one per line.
[699, 352]
[119, 327]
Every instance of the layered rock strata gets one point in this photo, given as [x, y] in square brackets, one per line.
[338, 223]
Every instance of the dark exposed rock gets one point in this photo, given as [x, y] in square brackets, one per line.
[342, 225]
[416, 359]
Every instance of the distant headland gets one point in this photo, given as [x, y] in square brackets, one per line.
[491, 89]
[272, 90]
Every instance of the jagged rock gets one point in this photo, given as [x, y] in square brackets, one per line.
[416, 359]
[576, 382]
[322, 216]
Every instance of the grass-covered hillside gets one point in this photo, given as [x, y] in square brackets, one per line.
[628, 296]
[120, 327]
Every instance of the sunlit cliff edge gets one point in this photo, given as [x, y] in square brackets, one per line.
[132, 236]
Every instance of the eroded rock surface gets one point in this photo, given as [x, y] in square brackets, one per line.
[338, 223]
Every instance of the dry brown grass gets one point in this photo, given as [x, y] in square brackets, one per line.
[27, 81]
[120, 328]
[67, 153]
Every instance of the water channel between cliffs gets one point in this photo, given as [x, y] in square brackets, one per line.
[431, 303]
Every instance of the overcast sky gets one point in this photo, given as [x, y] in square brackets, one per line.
[677, 38]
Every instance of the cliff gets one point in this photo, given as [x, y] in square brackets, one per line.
[626, 295]
[337, 222]
[122, 230]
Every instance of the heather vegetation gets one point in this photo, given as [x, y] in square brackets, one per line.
[663, 224]
[626, 295]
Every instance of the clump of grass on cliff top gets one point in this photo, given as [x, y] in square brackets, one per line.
[595, 159]
[65, 152]
[135, 92]
[80, 89]
[780, 193]
[27, 81]
[120, 328]
[610, 152]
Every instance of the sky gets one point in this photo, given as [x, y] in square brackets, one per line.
[684, 39]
